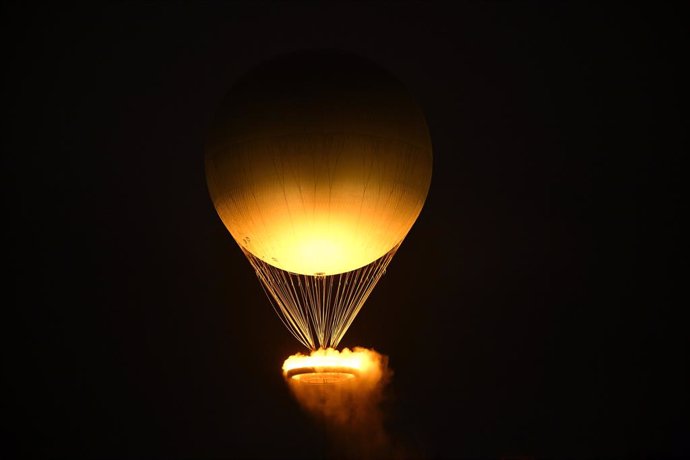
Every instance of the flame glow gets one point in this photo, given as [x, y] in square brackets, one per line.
[331, 366]
[343, 390]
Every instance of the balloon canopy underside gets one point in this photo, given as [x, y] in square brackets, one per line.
[318, 164]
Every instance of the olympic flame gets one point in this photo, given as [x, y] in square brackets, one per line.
[328, 365]
[343, 390]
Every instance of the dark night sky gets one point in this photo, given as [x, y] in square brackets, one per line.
[533, 310]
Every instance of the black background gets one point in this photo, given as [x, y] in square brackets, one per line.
[533, 310]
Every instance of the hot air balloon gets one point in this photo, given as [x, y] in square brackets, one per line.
[318, 164]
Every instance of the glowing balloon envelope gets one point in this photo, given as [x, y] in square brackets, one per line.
[318, 164]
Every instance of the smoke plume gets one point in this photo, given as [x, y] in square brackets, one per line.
[349, 409]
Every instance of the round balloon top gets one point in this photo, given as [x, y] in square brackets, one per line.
[318, 163]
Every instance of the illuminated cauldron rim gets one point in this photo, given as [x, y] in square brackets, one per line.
[322, 375]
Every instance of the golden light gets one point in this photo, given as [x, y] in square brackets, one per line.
[319, 164]
[330, 366]
[310, 216]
